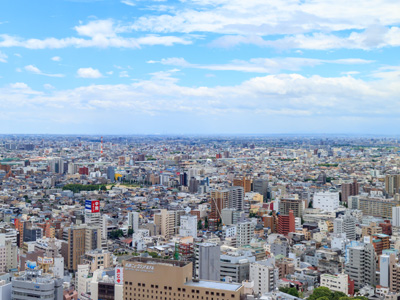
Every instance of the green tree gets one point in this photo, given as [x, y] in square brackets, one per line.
[294, 292]
[338, 295]
[310, 204]
[130, 231]
[206, 222]
[103, 188]
[320, 292]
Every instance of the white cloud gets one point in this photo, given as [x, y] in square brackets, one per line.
[48, 86]
[88, 73]
[123, 74]
[261, 65]
[280, 94]
[99, 33]
[35, 70]
[366, 40]
[128, 2]
[3, 57]
[56, 58]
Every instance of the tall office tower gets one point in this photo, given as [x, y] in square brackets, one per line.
[93, 237]
[287, 204]
[183, 179]
[345, 224]
[244, 182]
[350, 189]
[32, 286]
[286, 223]
[261, 186]
[111, 173]
[236, 197]
[219, 201]
[265, 276]
[153, 276]
[396, 216]
[165, 222]
[389, 272]
[244, 233]
[361, 266]
[193, 185]
[56, 165]
[133, 220]
[392, 184]
[207, 261]
[188, 226]
[74, 247]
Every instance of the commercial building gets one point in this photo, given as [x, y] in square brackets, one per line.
[265, 276]
[261, 186]
[286, 223]
[148, 278]
[31, 286]
[235, 265]
[326, 201]
[207, 261]
[350, 189]
[244, 233]
[345, 224]
[392, 184]
[188, 226]
[287, 204]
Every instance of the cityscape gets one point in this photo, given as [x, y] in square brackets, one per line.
[199, 150]
[199, 217]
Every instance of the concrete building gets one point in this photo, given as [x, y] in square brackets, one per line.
[287, 204]
[207, 261]
[361, 265]
[392, 184]
[265, 276]
[349, 189]
[378, 207]
[73, 247]
[188, 226]
[345, 224]
[133, 220]
[31, 286]
[396, 216]
[147, 277]
[244, 233]
[235, 265]
[336, 283]
[261, 186]
[326, 201]
[165, 222]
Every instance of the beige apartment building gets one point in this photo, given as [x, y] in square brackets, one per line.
[149, 278]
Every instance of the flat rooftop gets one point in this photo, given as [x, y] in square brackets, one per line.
[157, 261]
[214, 285]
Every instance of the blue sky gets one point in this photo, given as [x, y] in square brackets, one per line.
[199, 66]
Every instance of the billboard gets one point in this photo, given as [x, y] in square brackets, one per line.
[119, 275]
[92, 205]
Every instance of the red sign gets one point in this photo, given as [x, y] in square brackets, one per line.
[119, 275]
[95, 206]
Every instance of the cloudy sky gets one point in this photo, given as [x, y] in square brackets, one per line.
[199, 66]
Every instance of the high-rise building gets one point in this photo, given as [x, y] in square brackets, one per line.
[392, 184]
[286, 223]
[350, 189]
[361, 265]
[265, 276]
[165, 222]
[396, 216]
[147, 277]
[287, 204]
[188, 226]
[261, 186]
[74, 247]
[207, 261]
[244, 233]
[345, 224]
[133, 220]
[111, 173]
[232, 197]
[245, 183]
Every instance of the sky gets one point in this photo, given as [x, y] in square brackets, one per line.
[199, 66]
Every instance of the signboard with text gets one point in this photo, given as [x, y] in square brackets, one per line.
[119, 275]
[92, 205]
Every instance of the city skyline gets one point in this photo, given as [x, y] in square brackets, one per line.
[199, 67]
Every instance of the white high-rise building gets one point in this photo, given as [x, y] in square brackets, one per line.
[244, 233]
[188, 226]
[345, 224]
[265, 276]
[326, 201]
[396, 216]
[207, 261]
[133, 220]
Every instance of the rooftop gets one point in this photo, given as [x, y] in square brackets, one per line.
[214, 285]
